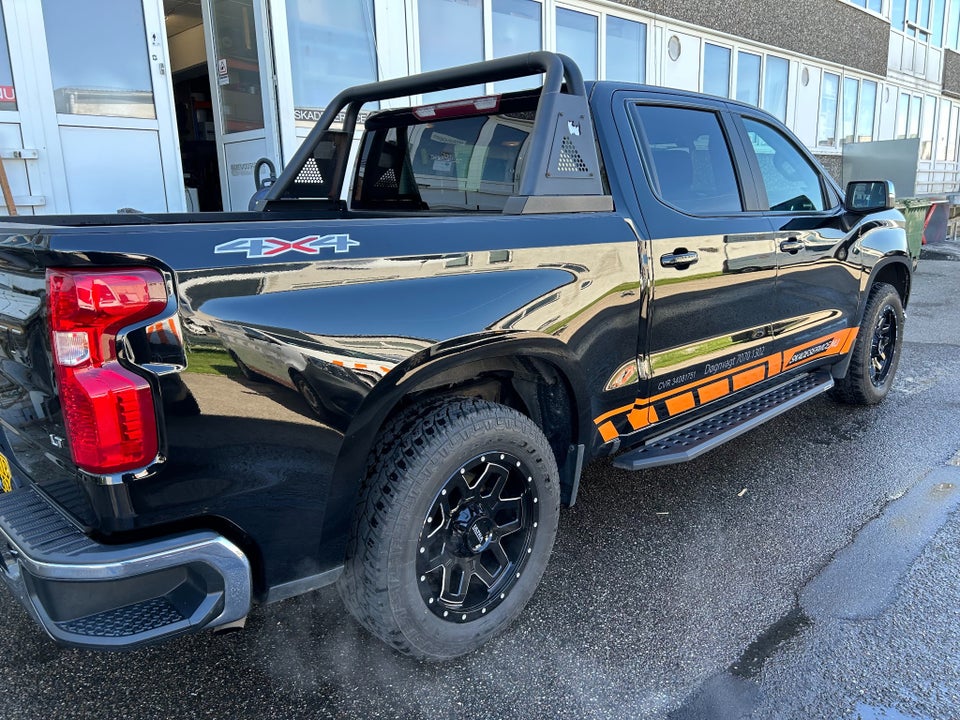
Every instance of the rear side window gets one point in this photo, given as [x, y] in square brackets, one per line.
[690, 160]
[791, 181]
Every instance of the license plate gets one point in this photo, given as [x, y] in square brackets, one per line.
[6, 477]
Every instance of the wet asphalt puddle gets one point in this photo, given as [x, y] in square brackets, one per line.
[859, 582]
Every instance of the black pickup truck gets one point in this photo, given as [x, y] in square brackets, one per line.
[391, 371]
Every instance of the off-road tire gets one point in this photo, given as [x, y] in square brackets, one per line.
[417, 457]
[876, 352]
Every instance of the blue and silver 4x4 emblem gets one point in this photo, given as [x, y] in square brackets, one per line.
[271, 246]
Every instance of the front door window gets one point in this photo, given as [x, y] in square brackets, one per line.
[791, 182]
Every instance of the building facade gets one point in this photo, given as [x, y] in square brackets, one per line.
[166, 105]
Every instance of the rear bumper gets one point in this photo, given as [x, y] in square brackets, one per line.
[87, 594]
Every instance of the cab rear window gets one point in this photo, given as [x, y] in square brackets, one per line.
[461, 164]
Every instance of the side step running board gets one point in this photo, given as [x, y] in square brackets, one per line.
[693, 440]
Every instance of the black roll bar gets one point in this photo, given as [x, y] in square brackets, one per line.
[556, 69]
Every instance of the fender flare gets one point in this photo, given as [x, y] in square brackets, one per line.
[416, 373]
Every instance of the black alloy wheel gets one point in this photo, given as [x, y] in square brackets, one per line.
[454, 527]
[476, 537]
[876, 352]
[886, 339]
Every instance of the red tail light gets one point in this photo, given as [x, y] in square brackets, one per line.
[107, 410]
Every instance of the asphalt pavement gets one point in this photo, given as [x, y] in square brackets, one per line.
[804, 570]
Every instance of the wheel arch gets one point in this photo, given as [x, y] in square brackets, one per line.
[894, 270]
[536, 375]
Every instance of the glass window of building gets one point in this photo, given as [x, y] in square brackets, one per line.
[332, 46]
[913, 128]
[84, 42]
[577, 37]
[792, 183]
[866, 110]
[952, 144]
[953, 26]
[775, 79]
[626, 50]
[936, 25]
[923, 17]
[943, 125]
[851, 91]
[241, 99]
[827, 121]
[903, 110]
[8, 95]
[516, 29]
[898, 14]
[451, 33]
[690, 159]
[926, 128]
[748, 78]
[716, 70]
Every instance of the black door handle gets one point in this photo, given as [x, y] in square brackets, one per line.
[791, 245]
[679, 259]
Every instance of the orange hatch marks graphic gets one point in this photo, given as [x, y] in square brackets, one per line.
[647, 411]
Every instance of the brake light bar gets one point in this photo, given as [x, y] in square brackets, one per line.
[458, 108]
[108, 410]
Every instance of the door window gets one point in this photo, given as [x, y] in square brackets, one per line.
[98, 57]
[690, 159]
[238, 65]
[791, 181]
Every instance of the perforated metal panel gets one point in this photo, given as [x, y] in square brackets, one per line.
[309, 174]
[387, 180]
[569, 160]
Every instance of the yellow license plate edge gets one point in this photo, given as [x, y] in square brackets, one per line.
[6, 477]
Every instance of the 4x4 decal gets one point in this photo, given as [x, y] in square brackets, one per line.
[271, 246]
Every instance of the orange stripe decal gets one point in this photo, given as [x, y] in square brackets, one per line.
[711, 392]
[639, 418]
[681, 403]
[608, 432]
[750, 377]
[642, 413]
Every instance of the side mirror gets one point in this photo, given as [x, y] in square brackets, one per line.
[864, 196]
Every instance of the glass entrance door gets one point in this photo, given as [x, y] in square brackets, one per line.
[103, 97]
[241, 72]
